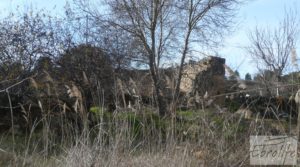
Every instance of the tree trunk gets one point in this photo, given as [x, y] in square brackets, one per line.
[160, 99]
[178, 82]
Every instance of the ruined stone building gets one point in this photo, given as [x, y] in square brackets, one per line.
[206, 76]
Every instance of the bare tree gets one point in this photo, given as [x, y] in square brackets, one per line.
[204, 22]
[118, 44]
[272, 48]
[27, 36]
[164, 27]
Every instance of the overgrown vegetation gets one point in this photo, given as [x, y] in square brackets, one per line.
[124, 139]
[70, 96]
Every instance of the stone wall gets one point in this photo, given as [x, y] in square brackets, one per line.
[206, 75]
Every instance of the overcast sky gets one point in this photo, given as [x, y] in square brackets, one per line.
[255, 13]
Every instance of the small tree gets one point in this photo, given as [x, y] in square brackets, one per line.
[272, 49]
[234, 75]
[237, 73]
[248, 77]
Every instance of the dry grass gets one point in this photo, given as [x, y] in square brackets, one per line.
[196, 138]
[170, 157]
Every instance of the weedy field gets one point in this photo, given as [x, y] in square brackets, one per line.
[189, 138]
[143, 83]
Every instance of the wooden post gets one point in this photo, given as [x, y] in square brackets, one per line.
[297, 101]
